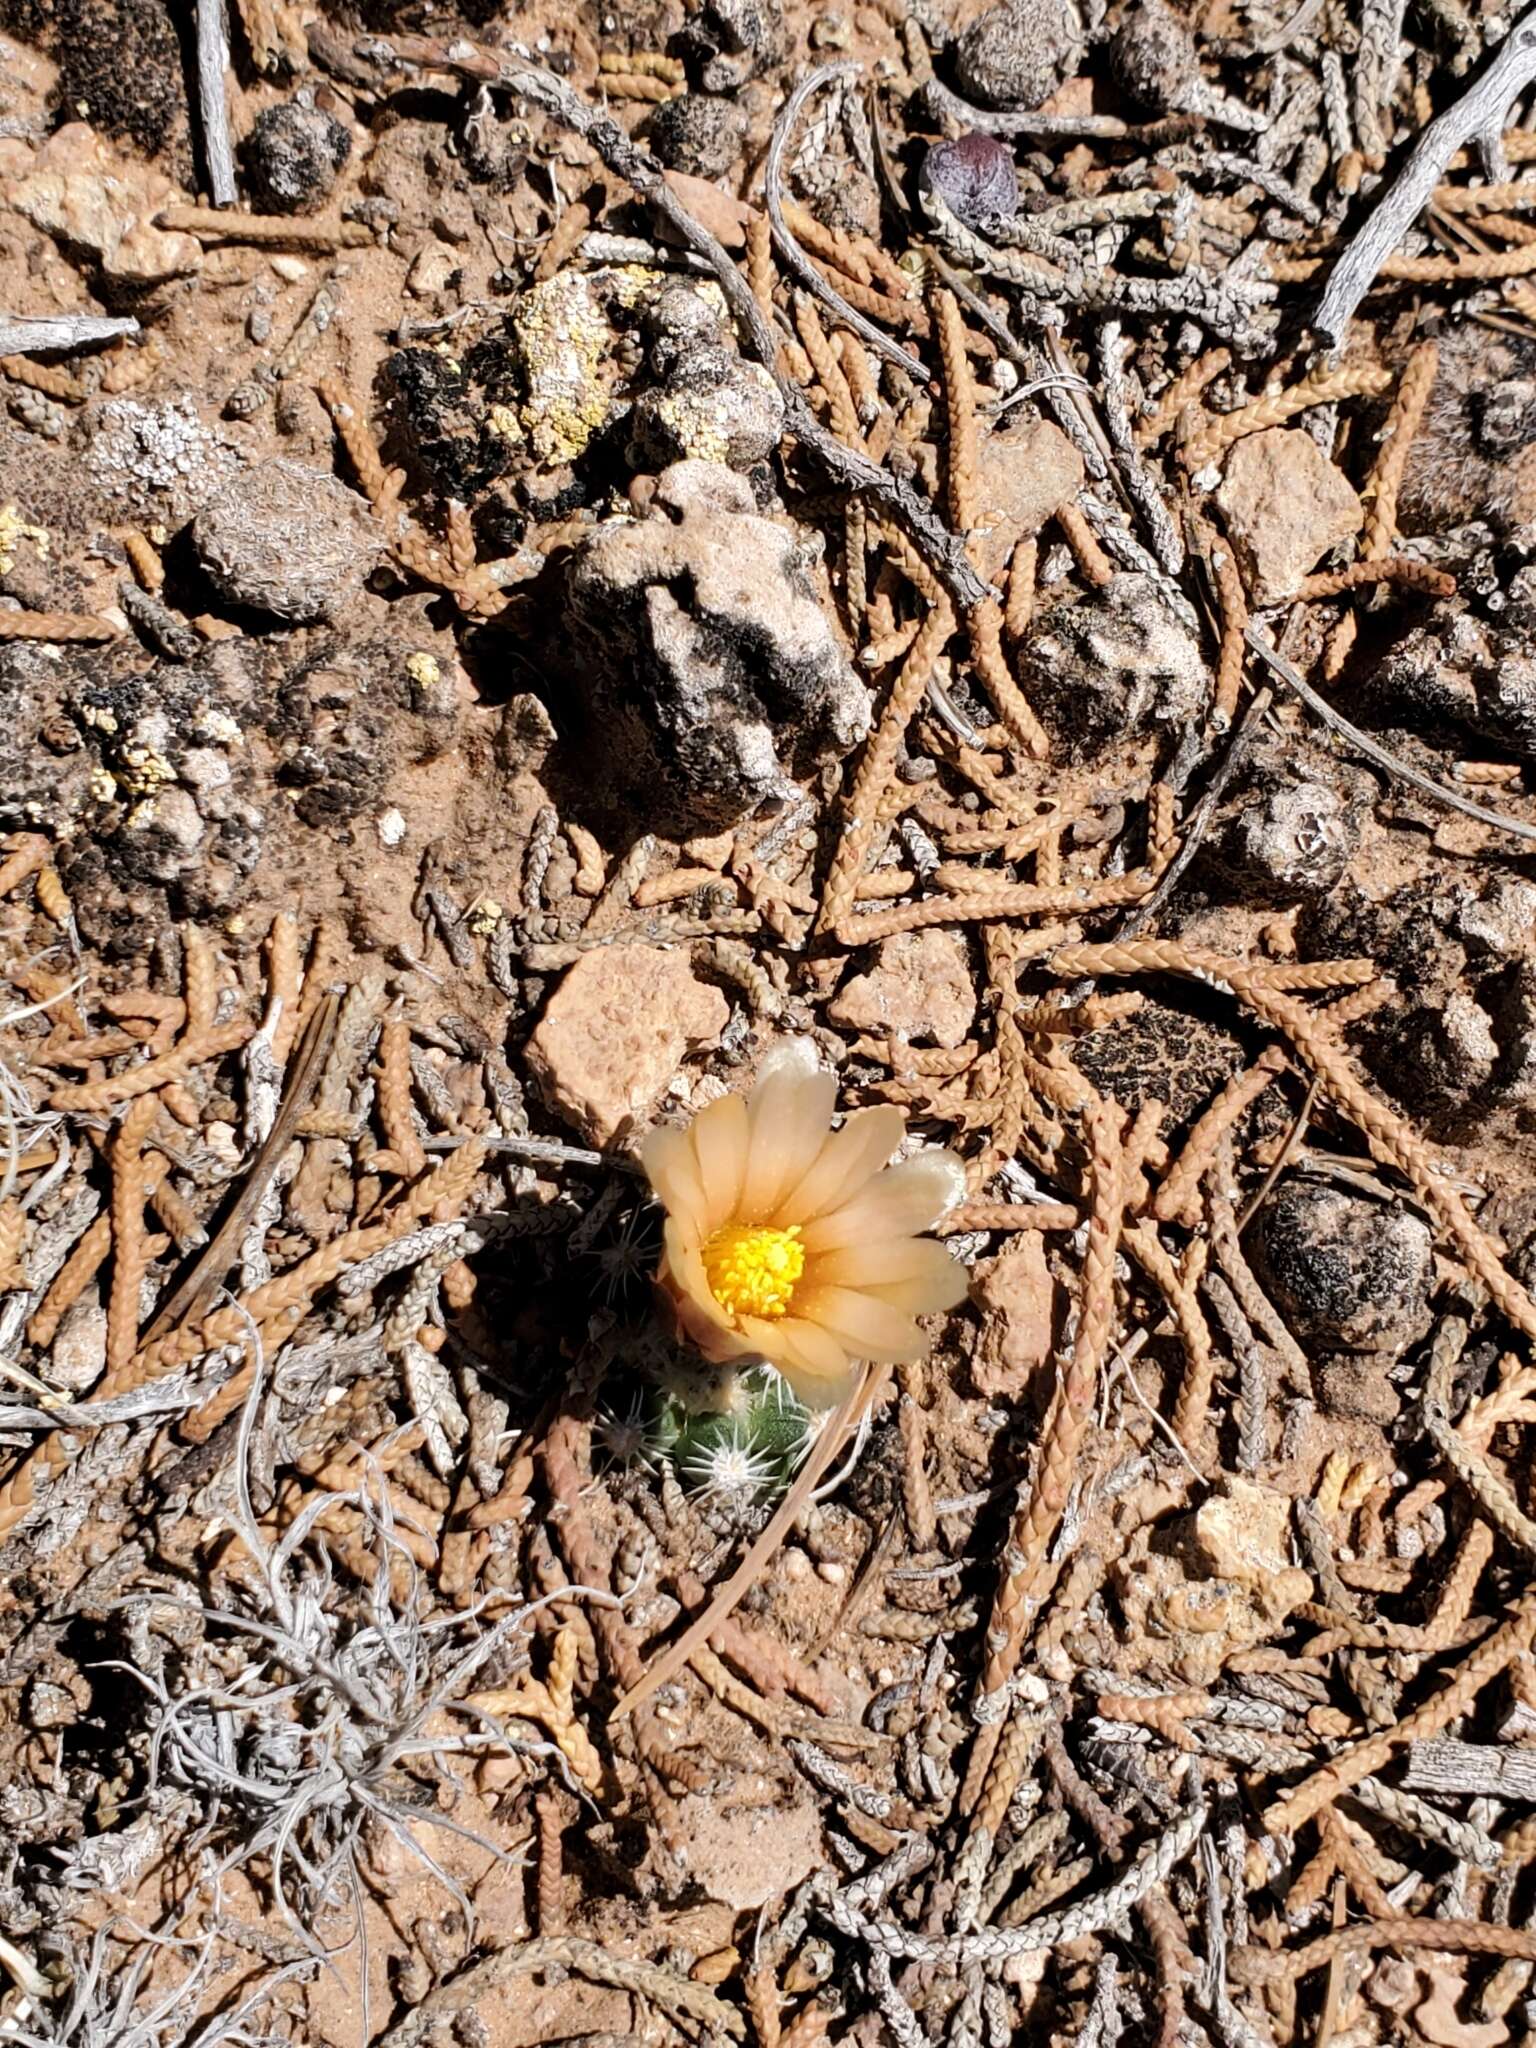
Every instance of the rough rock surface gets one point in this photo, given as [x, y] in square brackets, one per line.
[1344, 1269]
[74, 187]
[697, 134]
[919, 987]
[1461, 670]
[702, 650]
[1019, 1304]
[1285, 505]
[733, 40]
[1023, 476]
[614, 1033]
[1017, 54]
[292, 156]
[710, 405]
[286, 540]
[1112, 666]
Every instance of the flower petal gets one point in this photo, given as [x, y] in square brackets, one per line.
[870, 1328]
[911, 1273]
[720, 1136]
[672, 1167]
[685, 1268]
[815, 1364]
[905, 1199]
[852, 1156]
[791, 1114]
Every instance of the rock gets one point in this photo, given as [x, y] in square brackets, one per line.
[1113, 665]
[431, 267]
[158, 458]
[745, 1856]
[1462, 670]
[563, 345]
[614, 1033]
[699, 135]
[287, 540]
[919, 987]
[1152, 56]
[1027, 471]
[1016, 55]
[1474, 455]
[1243, 1532]
[975, 177]
[1346, 1271]
[731, 41]
[1020, 1308]
[725, 217]
[292, 156]
[1285, 506]
[77, 190]
[702, 649]
[712, 407]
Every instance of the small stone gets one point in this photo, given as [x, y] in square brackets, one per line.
[1243, 1532]
[919, 987]
[1345, 1270]
[742, 1855]
[74, 188]
[291, 269]
[698, 134]
[614, 1033]
[975, 177]
[287, 540]
[1016, 55]
[1026, 473]
[1019, 1303]
[292, 156]
[1112, 666]
[1285, 506]
[731, 41]
[1152, 56]
[713, 408]
[431, 268]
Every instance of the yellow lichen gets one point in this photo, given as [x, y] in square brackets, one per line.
[484, 916]
[563, 340]
[425, 670]
[13, 530]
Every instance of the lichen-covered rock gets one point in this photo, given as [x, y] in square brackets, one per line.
[1113, 665]
[1345, 1271]
[1460, 670]
[1292, 824]
[1016, 54]
[563, 343]
[287, 540]
[614, 1033]
[292, 156]
[1285, 505]
[710, 405]
[1474, 455]
[702, 652]
[156, 458]
[1152, 56]
[731, 41]
[699, 135]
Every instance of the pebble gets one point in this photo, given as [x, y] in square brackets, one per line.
[74, 188]
[1019, 1307]
[614, 1033]
[1285, 505]
[919, 987]
[287, 540]
[1112, 666]
[698, 134]
[975, 177]
[1026, 472]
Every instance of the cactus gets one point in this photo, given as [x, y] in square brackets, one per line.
[752, 1446]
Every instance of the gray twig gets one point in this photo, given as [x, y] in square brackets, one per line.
[1478, 116]
[26, 337]
[213, 100]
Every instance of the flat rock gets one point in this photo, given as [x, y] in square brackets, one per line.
[286, 539]
[919, 987]
[1024, 475]
[745, 1856]
[1285, 506]
[614, 1033]
[74, 188]
[1017, 1299]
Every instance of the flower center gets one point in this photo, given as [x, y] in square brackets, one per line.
[752, 1272]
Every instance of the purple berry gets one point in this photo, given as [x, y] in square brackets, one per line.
[974, 176]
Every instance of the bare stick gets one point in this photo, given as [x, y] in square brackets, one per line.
[25, 337]
[1364, 744]
[1478, 116]
[213, 100]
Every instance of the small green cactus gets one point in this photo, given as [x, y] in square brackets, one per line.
[751, 1446]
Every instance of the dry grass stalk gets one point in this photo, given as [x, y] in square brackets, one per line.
[393, 1074]
[50, 378]
[127, 1214]
[1404, 569]
[268, 230]
[1024, 1559]
[1091, 559]
[1234, 644]
[1359, 380]
[1177, 1199]
[1185, 388]
[62, 627]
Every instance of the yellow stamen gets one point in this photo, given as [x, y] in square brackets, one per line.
[752, 1272]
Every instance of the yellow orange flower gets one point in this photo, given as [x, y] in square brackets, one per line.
[789, 1241]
